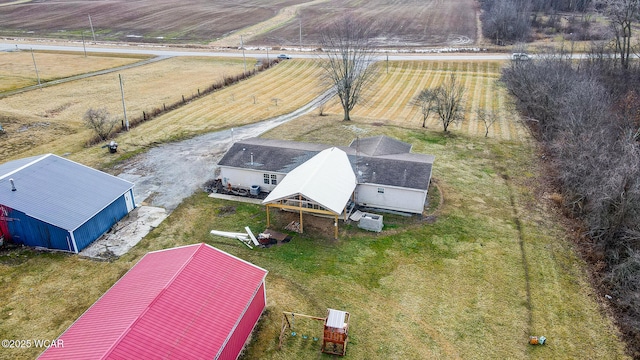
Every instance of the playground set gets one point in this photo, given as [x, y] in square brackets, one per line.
[335, 334]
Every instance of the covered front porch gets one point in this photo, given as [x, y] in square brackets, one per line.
[321, 186]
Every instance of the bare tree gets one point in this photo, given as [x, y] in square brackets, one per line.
[424, 101]
[348, 45]
[321, 109]
[100, 121]
[622, 14]
[448, 101]
[488, 118]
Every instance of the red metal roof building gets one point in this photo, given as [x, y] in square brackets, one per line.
[190, 302]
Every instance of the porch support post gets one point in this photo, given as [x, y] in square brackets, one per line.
[268, 223]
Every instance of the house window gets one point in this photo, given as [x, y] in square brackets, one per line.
[274, 179]
[266, 179]
[380, 190]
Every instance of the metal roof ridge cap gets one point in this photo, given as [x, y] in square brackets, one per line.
[155, 299]
[93, 169]
[25, 166]
[94, 304]
[316, 170]
[237, 258]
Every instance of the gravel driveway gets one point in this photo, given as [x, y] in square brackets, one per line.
[167, 174]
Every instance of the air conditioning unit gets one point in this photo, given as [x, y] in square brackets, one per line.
[371, 222]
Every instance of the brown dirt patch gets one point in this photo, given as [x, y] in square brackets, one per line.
[406, 23]
[315, 225]
[136, 21]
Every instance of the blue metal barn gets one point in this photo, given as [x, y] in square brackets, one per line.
[53, 202]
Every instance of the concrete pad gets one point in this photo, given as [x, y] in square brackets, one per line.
[126, 233]
[236, 198]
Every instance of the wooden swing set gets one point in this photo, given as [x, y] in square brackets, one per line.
[335, 335]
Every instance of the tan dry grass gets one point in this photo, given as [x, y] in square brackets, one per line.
[50, 120]
[17, 69]
[294, 83]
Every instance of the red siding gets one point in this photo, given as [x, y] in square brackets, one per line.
[4, 227]
[181, 303]
[245, 326]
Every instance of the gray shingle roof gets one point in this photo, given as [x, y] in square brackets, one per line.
[269, 155]
[58, 191]
[392, 166]
[380, 145]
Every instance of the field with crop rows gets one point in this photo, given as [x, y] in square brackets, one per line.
[17, 68]
[50, 120]
[398, 23]
[389, 97]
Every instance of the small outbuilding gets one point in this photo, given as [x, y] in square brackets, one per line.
[52, 202]
[190, 302]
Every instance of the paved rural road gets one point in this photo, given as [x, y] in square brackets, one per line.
[164, 51]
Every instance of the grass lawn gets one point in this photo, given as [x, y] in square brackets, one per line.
[494, 268]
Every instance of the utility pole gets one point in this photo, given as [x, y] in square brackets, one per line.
[243, 57]
[83, 46]
[36, 66]
[387, 63]
[300, 34]
[124, 108]
[269, 64]
[92, 32]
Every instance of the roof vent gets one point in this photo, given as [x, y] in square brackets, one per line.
[13, 185]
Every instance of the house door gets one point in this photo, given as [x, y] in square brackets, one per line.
[129, 200]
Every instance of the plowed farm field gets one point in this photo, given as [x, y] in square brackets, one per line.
[399, 23]
[388, 99]
[135, 21]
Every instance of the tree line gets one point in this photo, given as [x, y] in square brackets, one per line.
[510, 21]
[587, 117]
